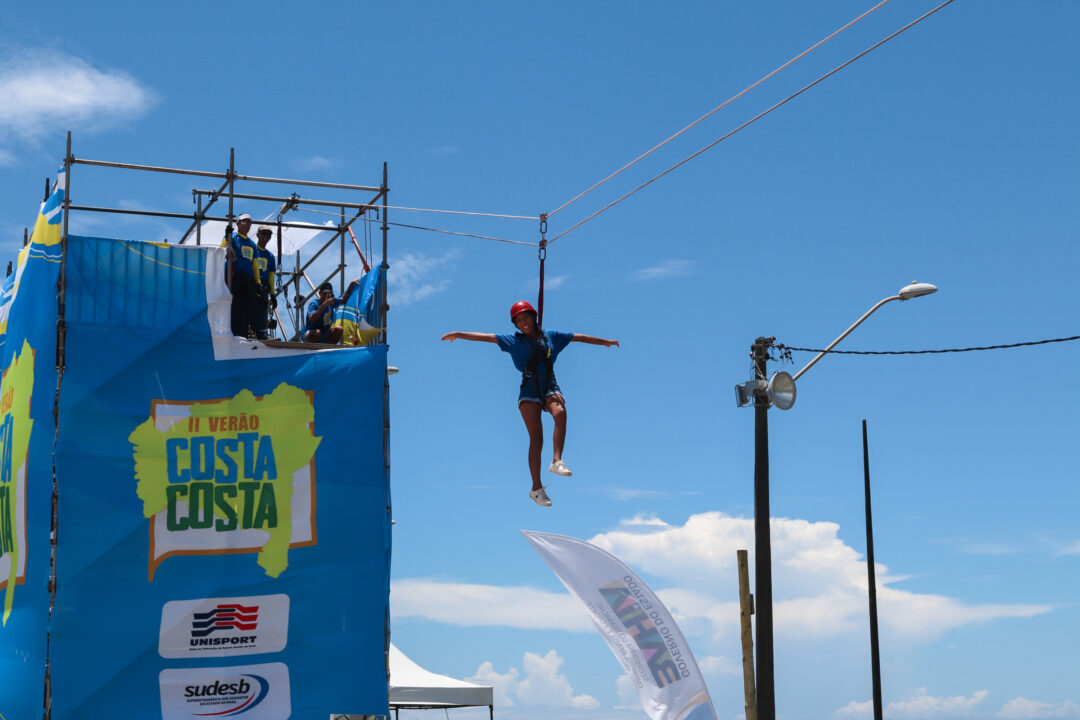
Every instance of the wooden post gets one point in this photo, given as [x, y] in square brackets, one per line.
[746, 609]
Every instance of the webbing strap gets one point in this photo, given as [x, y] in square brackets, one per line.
[543, 256]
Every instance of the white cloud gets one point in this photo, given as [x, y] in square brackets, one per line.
[919, 707]
[987, 548]
[539, 683]
[551, 282]
[47, 92]
[642, 519]
[856, 710]
[665, 270]
[317, 162]
[969, 546]
[623, 494]
[445, 150]
[819, 586]
[820, 582]
[417, 276]
[472, 605]
[627, 692]
[1073, 549]
[719, 665]
[501, 684]
[1020, 708]
[545, 685]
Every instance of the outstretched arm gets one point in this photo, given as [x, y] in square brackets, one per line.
[578, 337]
[478, 337]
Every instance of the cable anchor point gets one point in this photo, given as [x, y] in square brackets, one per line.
[543, 240]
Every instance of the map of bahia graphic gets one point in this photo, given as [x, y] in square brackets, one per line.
[223, 471]
[646, 635]
[15, 427]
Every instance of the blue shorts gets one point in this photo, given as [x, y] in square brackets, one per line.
[527, 393]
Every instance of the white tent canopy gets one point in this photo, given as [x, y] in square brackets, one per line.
[413, 687]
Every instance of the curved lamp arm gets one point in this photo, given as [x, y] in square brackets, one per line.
[915, 289]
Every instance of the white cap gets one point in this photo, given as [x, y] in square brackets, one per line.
[243, 217]
[265, 228]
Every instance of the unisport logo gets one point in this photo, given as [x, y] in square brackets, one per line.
[224, 626]
[223, 617]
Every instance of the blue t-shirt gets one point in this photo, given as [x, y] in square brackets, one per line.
[327, 318]
[521, 349]
[265, 265]
[244, 249]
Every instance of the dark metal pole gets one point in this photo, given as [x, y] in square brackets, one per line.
[766, 698]
[232, 182]
[875, 655]
[198, 221]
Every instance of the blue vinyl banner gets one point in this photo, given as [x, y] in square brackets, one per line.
[358, 314]
[27, 432]
[224, 515]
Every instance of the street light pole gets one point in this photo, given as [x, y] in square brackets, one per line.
[782, 394]
[766, 697]
[875, 651]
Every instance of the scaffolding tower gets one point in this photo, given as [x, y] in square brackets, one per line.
[295, 286]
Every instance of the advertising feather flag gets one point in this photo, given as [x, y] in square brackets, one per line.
[637, 627]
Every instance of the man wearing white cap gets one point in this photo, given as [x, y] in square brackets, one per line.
[266, 272]
[248, 313]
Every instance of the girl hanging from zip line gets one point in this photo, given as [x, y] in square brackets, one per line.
[534, 351]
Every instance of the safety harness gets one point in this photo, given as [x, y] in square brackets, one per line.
[540, 354]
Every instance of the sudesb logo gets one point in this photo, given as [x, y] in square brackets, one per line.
[240, 696]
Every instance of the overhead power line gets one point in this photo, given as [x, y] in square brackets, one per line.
[757, 117]
[780, 346]
[719, 107]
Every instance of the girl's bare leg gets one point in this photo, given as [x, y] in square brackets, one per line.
[557, 409]
[530, 413]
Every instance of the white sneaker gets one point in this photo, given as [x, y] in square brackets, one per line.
[540, 497]
[559, 468]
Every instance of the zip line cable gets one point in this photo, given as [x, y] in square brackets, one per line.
[544, 216]
[781, 346]
[757, 117]
[430, 229]
[719, 107]
[430, 210]
[451, 232]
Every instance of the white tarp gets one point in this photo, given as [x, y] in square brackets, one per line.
[637, 627]
[413, 686]
[292, 238]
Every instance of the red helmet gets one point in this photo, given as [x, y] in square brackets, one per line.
[519, 307]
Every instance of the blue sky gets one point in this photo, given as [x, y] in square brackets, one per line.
[948, 156]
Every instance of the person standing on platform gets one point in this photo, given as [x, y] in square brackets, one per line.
[248, 320]
[266, 275]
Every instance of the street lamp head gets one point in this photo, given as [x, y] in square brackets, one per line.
[781, 390]
[916, 289]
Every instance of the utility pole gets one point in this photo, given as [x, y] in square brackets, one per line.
[766, 697]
